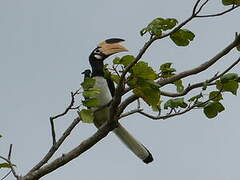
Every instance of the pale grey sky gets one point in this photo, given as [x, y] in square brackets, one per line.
[44, 46]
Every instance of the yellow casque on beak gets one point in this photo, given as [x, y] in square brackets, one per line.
[111, 48]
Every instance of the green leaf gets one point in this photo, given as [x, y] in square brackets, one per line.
[229, 86]
[179, 85]
[91, 92]
[86, 115]
[88, 83]
[107, 73]
[230, 2]
[215, 96]
[182, 37]
[140, 82]
[142, 70]
[158, 25]
[194, 98]
[125, 60]
[6, 165]
[115, 78]
[92, 102]
[165, 66]
[166, 70]
[150, 95]
[116, 60]
[157, 107]
[212, 109]
[175, 103]
[228, 77]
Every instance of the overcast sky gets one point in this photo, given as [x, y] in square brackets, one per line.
[44, 47]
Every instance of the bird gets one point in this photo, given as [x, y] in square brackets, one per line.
[87, 73]
[106, 86]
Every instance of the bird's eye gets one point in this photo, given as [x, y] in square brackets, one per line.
[97, 51]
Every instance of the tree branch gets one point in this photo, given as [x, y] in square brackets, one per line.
[189, 108]
[218, 14]
[200, 84]
[8, 160]
[65, 158]
[203, 66]
[70, 106]
[55, 147]
[130, 113]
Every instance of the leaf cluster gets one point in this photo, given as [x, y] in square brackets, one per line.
[167, 71]
[89, 94]
[181, 37]
[212, 107]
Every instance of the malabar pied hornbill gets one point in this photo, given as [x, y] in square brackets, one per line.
[107, 89]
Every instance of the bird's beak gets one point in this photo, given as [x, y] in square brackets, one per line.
[111, 48]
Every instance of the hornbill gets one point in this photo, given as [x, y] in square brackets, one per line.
[107, 89]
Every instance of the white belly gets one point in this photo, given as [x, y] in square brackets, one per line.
[104, 97]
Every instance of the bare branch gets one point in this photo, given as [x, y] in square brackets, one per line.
[10, 152]
[8, 160]
[200, 9]
[65, 158]
[200, 84]
[177, 113]
[55, 147]
[195, 7]
[6, 175]
[203, 66]
[130, 113]
[126, 102]
[218, 14]
[70, 107]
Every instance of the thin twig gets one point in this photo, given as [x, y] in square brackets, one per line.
[200, 9]
[218, 14]
[203, 66]
[55, 147]
[6, 175]
[73, 94]
[10, 152]
[11, 165]
[130, 113]
[200, 84]
[169, 115]
[62, 160]
[195, 7]
[138, 104]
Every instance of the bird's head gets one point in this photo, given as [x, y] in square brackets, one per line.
[87, 73]
[107, 48]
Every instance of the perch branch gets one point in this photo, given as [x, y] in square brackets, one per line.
[70, 106]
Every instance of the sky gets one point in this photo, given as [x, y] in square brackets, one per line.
[44, 47]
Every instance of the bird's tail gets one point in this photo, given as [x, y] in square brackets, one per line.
[136, 147]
